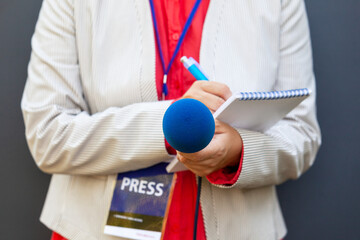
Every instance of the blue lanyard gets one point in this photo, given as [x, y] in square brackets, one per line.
[179, 43]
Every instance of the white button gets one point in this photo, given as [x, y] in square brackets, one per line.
[175, 36]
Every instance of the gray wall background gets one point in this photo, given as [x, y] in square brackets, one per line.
[323, 204]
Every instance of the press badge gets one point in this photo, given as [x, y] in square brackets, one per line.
[140, 203]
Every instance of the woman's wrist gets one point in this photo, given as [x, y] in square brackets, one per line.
[235, 149]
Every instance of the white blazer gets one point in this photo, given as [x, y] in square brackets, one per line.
[90, 108]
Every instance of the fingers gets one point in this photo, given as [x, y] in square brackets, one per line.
[211, 101]
[224, 150]
[219, 89]
[216, 88]
[201, 171]
[204, 164]
[212, 94]
[210, 158]
[221, 127]
[216, 149]
[199, 168]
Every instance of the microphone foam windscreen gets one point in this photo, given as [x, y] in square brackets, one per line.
[188, 125]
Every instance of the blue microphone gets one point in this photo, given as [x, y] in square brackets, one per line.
[188, 125]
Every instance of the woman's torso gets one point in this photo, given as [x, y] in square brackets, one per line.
[240, 47]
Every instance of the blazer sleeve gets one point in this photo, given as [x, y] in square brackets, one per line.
[62, 135]
[287, 149]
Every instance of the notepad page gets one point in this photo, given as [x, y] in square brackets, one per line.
[257, 115]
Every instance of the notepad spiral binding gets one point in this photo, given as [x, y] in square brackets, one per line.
[274, 95]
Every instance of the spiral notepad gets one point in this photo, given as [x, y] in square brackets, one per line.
[256, 111]
[274, 95]
[259, 110]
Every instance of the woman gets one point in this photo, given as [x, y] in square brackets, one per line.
[91, 108]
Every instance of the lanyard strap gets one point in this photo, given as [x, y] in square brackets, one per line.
[178, 45]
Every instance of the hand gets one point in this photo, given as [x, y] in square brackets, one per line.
[224, 150]
[212, 94]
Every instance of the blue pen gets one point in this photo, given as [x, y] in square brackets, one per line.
[194, 68]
